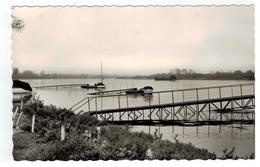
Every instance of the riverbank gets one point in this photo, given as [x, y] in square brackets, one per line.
[87, 140]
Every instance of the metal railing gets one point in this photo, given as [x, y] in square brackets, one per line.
[103, 102]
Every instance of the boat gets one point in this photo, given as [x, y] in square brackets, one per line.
[20, 90]
[134, 91]
[141, 91]
[147, 89]
[99, 85]
[87, 86]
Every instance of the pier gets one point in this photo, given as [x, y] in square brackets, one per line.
[215, 105]
[59, 85]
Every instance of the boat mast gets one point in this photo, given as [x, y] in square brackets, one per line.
[101, 74]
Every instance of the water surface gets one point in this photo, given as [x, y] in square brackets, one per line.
[213, 138]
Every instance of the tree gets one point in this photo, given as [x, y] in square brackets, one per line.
[17, 24]
[184, 71]
[177, 71]
[250, 74]
[15, 73]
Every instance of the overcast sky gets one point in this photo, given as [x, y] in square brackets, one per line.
[134, 40]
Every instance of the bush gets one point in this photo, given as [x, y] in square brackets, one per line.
[115, 142]
[167, 150]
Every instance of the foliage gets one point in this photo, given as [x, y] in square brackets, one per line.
[49, 119]
[178, 74]
[230, 155]
[113, 142]
[17, 24]
[165, 149]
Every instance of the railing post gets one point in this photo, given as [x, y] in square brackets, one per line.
[88, 105]
[242, 104]
[149, 100]
[197, 106]
[96, 106]
[197, 94]
[241, 93]
[253, 88]
[208, 94]
[159, 102]
[96, 103]
[219, 92]
[197, 110]
[119, 106]
[209, 112]
[185, 107]
[127, 104]
[232, 103]
[173, 111]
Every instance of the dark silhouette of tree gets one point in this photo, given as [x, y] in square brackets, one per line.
[15, 73]
[17, 24]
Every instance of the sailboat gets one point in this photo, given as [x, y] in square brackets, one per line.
[99, 85]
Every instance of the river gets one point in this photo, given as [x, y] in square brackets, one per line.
[213, 138]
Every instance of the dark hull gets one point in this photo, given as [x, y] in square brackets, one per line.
[132, 92]
[88, 86]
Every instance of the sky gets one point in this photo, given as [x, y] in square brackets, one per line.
[134, 40]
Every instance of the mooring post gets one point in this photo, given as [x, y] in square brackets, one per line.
[21, 113]
[62, 138]
[16, 110]
[33, 122]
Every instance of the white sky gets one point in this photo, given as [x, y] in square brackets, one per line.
[134, 40]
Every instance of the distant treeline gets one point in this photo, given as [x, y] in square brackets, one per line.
[236, 75]
[179, 74]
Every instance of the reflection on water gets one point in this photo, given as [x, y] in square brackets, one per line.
[213, 138]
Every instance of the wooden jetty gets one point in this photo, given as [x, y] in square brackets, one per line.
[59, 85]
[225, 108]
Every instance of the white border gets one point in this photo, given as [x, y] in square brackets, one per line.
[5, 78]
